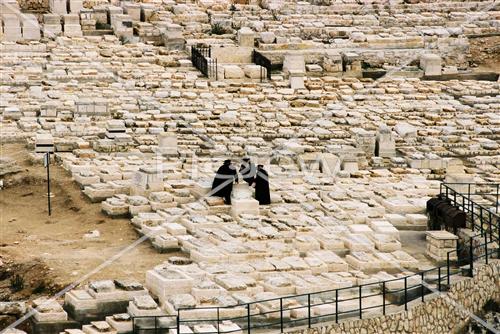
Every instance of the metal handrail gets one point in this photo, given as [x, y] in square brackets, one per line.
[201, 59]
[333, 294]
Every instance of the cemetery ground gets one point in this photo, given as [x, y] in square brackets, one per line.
[48, 253]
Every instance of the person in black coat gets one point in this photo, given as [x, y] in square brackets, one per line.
[248, 171]
[223, 181]
[262, 193]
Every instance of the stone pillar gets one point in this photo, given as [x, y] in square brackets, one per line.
[173, 39]
[133, 10]
[11, 28]
[146, 180]
[365, 140]
[431, 64]
[332, 62]
[455, 173]
[58, 7]
[296, 79]
[294, 62]
[351, 64]
[75, 6]
[30, 27]
[167, 144]
[386, 145]
[122, 26]
[242, 200]
[51, 25]
[329, 163]
[72, 27]
[246, 37]
[350, 164]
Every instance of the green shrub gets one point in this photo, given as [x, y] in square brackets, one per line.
[218, 29]
[17, 283]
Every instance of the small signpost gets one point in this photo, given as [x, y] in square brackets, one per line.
[44, 143]
[46, 164]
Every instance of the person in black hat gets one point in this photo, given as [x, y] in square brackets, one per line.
[262, 193]
[248, 171]
[222, 185]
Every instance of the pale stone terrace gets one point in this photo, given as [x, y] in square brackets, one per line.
[352, 160]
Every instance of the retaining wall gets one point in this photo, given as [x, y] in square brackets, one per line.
[448, 313]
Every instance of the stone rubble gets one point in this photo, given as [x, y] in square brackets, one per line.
[111, 88]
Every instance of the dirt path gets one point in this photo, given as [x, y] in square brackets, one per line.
[52, 249]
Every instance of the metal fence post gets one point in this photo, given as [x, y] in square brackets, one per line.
[471, 258]
[337, 306]
[448, 268]
[486, 248]
[248, 318]
[178, 322]
[383, 297]
[360, 304]
[490, 225]
[422, 291]
[472, 214]
[218, 320]
[406, 293]
[439, 278]
[468, 198]
[481, 219]
[281, 314]
[309, 310]
[156, 324]
[496, 202]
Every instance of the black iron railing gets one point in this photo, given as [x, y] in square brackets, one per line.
[201, 57]
[154, 324]
[265, 63]
[382, 297]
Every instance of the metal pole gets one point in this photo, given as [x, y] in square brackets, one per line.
[481, 219]
[178, 321]
[448, 268]
[218, 320]
[383, 297]
[490, 224]
[248, 318]
[281, 314]
[360, 305]
[468, 192]
[48, 182]
[156, 326]
[496, 203]
[439, 278]
[486, 246]
[422, 286]
[406, 293]
[309, 310]
[471, 258]
[337, 306]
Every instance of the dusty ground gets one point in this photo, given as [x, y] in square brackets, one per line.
[485, 53]
[50, 252]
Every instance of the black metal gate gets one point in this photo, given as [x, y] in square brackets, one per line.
[201, 57]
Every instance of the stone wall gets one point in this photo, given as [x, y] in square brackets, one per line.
[448, 313]
[34, 5]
